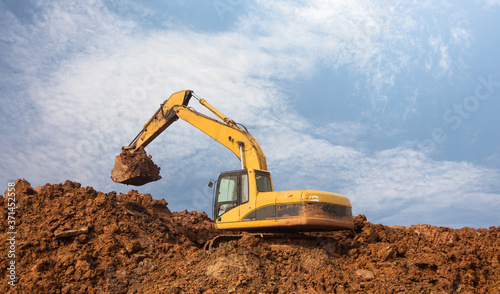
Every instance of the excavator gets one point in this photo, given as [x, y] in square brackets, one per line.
[244, 200]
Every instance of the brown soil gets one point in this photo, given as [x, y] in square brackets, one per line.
[73, 239]
[135, 168]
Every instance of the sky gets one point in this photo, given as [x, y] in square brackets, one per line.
[392, 104]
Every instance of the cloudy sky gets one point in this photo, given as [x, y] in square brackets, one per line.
[393, 104]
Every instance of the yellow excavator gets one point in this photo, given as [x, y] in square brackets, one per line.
[244, 200]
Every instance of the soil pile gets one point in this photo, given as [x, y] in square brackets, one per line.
[73, 239]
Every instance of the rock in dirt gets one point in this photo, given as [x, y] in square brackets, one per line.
[135, 244]
[365, 274]
[71, 233]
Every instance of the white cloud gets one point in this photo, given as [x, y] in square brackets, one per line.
[441, 50]
[460, 35]
[394, 186]
[490, 3]
[381, 44]
[336, 33]
[343, 133]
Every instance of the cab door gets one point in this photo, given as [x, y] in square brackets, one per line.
[226, 198]
[232, 196]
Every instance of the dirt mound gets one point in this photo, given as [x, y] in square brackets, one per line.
[135, 168]
[73, 239]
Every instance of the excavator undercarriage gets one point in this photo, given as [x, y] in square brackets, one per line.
[273, 240]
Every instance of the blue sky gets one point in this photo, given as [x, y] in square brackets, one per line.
[391, 104]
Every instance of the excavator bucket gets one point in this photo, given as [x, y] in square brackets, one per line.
[135, 168]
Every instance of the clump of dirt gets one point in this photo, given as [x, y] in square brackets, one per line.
[73, 239]
[135, 168]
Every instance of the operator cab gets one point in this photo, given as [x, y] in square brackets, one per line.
[233, 189]
[244, 200]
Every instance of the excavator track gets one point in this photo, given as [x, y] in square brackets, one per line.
[275, 240]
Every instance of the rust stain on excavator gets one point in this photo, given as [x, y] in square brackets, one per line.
[314, 218]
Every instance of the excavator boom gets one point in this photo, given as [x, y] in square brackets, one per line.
[134, 167]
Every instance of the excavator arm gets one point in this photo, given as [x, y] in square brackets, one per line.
[161, 119]
[134, 167]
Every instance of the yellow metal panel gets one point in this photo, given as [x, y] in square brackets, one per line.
[293, 196]
[232, 215]
[265, 199]
[325, 197]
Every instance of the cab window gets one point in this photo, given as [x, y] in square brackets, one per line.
[227, 189]
[227, 198]
[244, 188]
[263, 183]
